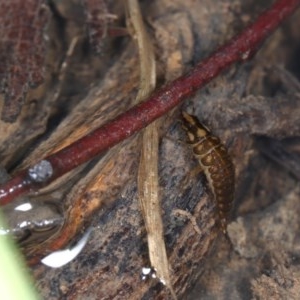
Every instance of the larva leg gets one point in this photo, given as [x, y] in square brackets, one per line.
[196, 171]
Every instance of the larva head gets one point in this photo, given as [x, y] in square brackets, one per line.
[195, 130]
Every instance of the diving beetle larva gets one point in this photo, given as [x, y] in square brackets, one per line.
[216, 164]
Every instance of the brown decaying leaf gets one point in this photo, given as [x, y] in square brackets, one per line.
[22, 51]
[66, 80]
[23, 44]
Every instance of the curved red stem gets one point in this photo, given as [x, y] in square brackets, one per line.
[239, 48]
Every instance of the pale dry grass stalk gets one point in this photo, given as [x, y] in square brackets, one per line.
[149, 197]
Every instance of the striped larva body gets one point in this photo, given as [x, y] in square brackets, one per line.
[216, 164]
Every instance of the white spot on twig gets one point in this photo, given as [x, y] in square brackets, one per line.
[41, 172]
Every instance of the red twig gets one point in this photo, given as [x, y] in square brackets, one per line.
[239, 48]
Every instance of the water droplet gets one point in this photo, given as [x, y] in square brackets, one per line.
[23, 224]
[24, 207]
[148, 273]
[60, 258]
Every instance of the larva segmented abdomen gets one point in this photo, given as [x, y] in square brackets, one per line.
[216, 164]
